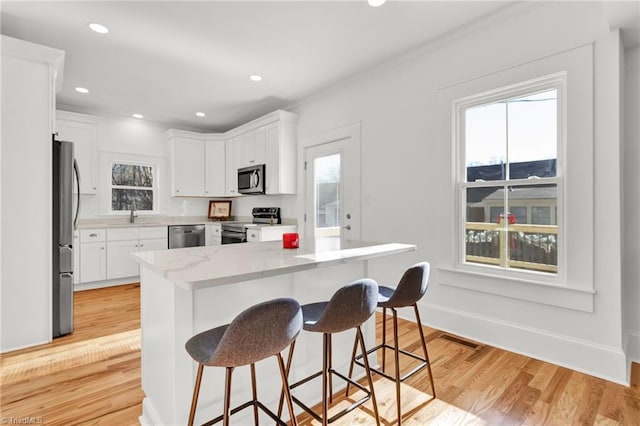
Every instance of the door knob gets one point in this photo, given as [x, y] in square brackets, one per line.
[347, 227]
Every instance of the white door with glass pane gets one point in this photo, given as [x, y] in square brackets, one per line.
[332, 183]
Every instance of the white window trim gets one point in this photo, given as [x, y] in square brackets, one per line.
[107, 159]
[578, 201]
[153, 188]
[557, 81]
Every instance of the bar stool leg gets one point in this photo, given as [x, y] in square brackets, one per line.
[397, 356]
[330, 367]
[227, 397]
[287, 369]
[325, 373]
[368, 370]
[254, 393]
[196, 391]
[353, 362]
[424, 347]
[384, 337]
[285, 386]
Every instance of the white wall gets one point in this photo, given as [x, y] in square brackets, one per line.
[631, 202]
[406, 156]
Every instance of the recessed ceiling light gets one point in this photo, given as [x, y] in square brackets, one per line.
[255, 77]
[82, 90]
[98, 28]
[376, 3]
[138, 116]
[200, 114]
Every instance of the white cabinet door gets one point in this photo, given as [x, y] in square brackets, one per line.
[82, 131]
[93, 262]
[280, 158]
[120, 264]
[213, 235]
[233, 154]
[253, 147]
[188, 167]
[153, 244]
[215, 169]
[253, 235]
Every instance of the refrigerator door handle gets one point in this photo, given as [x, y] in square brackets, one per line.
[76, 168]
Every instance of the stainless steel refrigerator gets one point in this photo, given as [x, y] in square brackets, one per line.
[64, 223]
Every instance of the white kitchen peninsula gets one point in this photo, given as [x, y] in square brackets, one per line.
[186, 291]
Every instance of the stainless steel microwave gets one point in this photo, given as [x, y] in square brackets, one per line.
[251, 179]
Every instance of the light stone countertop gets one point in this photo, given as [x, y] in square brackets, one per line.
[201, 267]
[148, 221]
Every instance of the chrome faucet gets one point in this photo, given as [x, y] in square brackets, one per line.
[132, 216]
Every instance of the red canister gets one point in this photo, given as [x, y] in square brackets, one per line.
[290, 240]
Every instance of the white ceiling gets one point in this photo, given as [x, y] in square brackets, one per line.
[167, 60]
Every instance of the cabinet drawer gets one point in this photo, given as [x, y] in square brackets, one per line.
[153, 232]
[121, 234]
[92, 235]
[253, 235]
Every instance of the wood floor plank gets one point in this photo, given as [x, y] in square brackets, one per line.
[92, 377]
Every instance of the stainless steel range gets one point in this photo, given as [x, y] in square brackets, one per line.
[236, 232]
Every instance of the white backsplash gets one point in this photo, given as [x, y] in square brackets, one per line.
[179, 206]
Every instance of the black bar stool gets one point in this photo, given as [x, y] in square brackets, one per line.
[348, 308]
[260, 331]
[410, 289]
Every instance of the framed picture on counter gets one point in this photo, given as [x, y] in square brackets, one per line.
[220, 210]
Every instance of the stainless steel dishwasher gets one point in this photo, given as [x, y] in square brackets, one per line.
[186, 236]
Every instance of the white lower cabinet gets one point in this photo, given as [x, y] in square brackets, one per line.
[109, 258]
[153, 244]
[119, 261]
[213, 234]
[93, 261]
[268, 233]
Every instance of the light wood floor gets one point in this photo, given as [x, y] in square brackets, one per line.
[92, 377]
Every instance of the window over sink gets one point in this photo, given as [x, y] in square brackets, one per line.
[129, 178]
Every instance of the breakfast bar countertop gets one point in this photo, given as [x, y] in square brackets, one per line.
[201, 267]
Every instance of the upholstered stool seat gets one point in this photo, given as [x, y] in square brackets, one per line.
[259, 332]
[348, 308]
[410, 289]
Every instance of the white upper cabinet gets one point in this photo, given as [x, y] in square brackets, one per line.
[206, 165]
[233, 153]
[280, 163]
[253, 147]
[198, 164]
[187, 164]
[82, 130]
[215, 168]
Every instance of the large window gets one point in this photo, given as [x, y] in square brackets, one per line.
[509, 177]
[133, 185]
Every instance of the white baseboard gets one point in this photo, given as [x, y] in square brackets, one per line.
[606, 362]
[632, 349]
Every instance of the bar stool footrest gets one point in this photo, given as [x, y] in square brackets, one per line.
[247, 404]
[417, 368]
[347, 410]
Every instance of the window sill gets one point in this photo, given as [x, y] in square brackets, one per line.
[579, 299]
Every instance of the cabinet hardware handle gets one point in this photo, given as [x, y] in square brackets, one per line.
[101, 248]
[93, 235]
